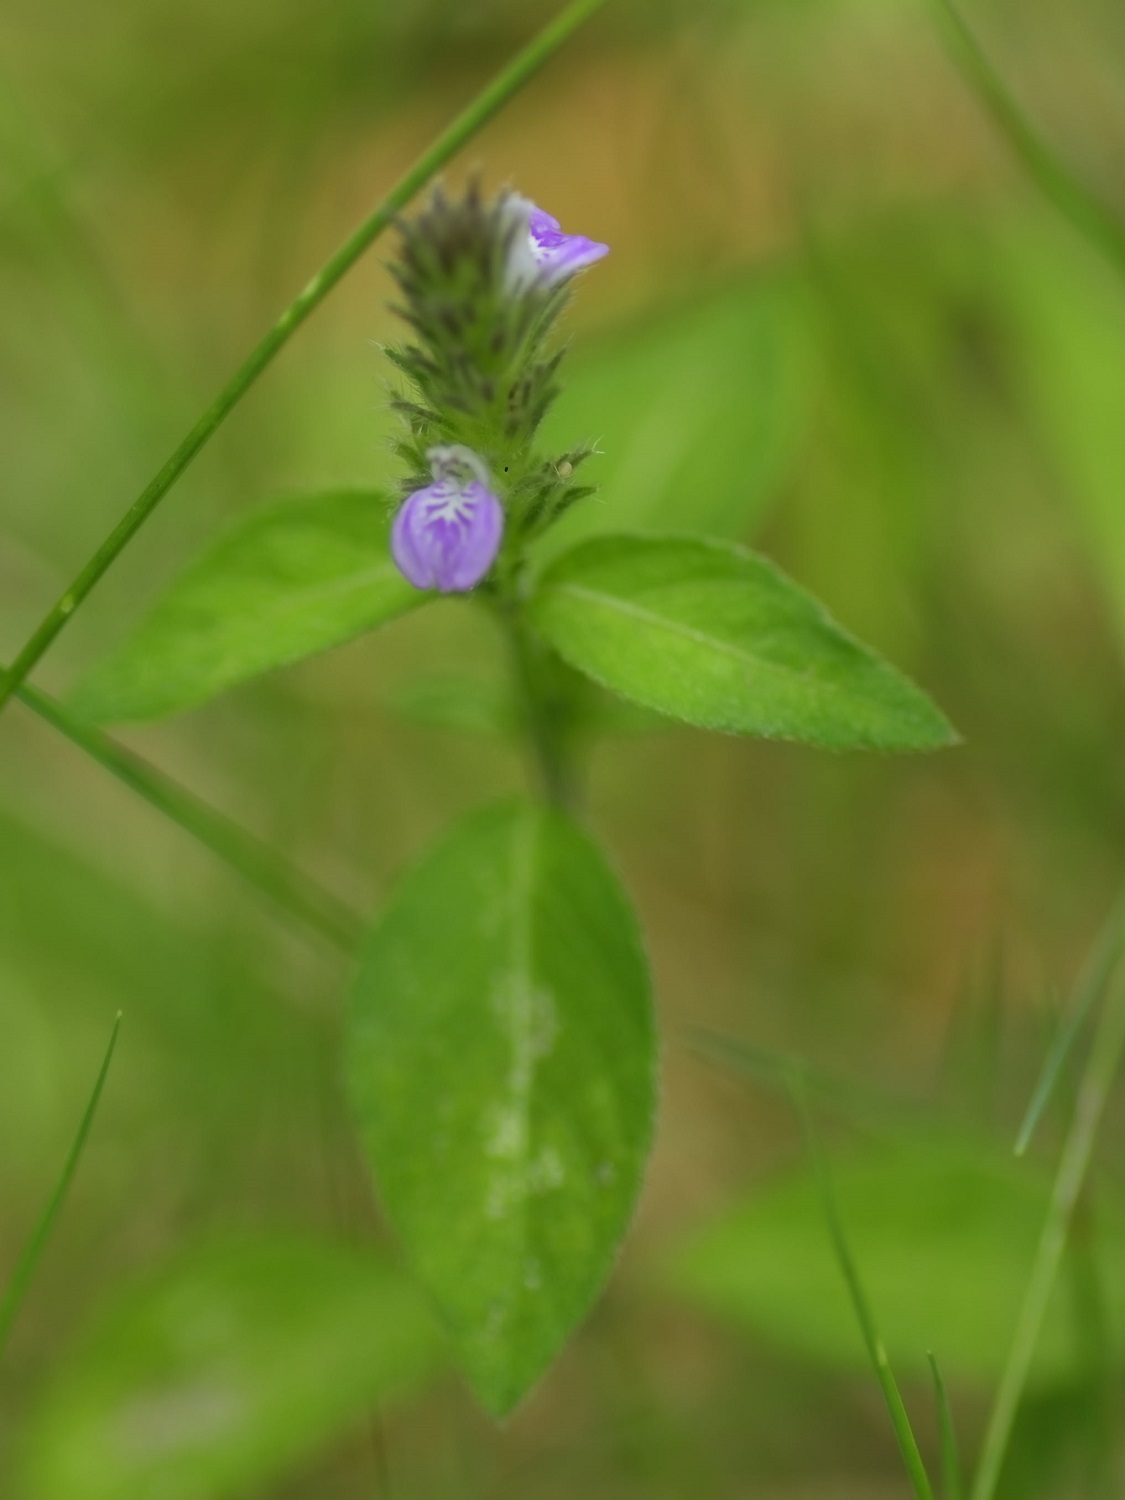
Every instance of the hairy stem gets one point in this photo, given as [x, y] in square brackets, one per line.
[463, 128]
[542, 711]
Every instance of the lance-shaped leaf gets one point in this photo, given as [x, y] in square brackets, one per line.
[501, 1059]
[224, 1370]
[710, 633]
[292, 580]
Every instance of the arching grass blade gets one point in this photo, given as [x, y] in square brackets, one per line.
[1091, 986]
[952, 1486]
[254, 859]
[17, 1287]
[1075, 201]
[1093, 1095]
[775, 1070]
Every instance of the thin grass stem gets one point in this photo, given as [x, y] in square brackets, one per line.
[466, 125]
[1095, 976]
[1072, 198]
[1093, 1096]
[876, 1349]
[1093, 1325]
[16, 1290]
[775, 1070]
[952, 1485]
[252, 857]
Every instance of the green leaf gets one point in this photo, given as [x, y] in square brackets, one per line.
[712, 634]
[945, 1230]
[292, 580]
[224, 1371]
[698, 414]
[501, 1057]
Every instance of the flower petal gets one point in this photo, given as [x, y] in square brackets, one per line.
[447, 535]
[409, 562]
[541, 251]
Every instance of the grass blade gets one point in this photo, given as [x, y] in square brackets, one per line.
[1093, 1324]
[482, 109]
[1075, 201]
[254, 859]
[25, 1269]
[900, 1421]
[1091, 986]
[1093, 1095]
[952, 1487]
[776, 1070]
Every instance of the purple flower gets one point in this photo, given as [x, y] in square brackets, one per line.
[447, 535]
[542, 252]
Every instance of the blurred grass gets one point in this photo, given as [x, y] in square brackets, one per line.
[894, 370]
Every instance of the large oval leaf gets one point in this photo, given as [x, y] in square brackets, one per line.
[292, 580]
[710, 633]
[224, 1371]
[501, 1063]
[944, 1232]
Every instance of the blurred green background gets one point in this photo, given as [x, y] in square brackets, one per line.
[837, 322]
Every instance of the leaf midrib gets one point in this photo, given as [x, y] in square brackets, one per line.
[524, 849]
[713, 643]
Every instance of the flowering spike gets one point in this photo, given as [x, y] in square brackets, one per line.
[446, 535]
[482, 284]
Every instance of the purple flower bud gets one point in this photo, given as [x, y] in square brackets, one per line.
[542, 252]
[447, 535]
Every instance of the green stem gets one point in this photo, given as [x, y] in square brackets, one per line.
[1093, 1095]
[1075, 201]
[463, 128]
[250, 856]
[21, 1278]
[541, 712]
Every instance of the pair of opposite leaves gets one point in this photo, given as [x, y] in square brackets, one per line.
[501, 1050]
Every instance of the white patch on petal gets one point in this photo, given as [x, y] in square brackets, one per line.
[523, 257]
[456, 507]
